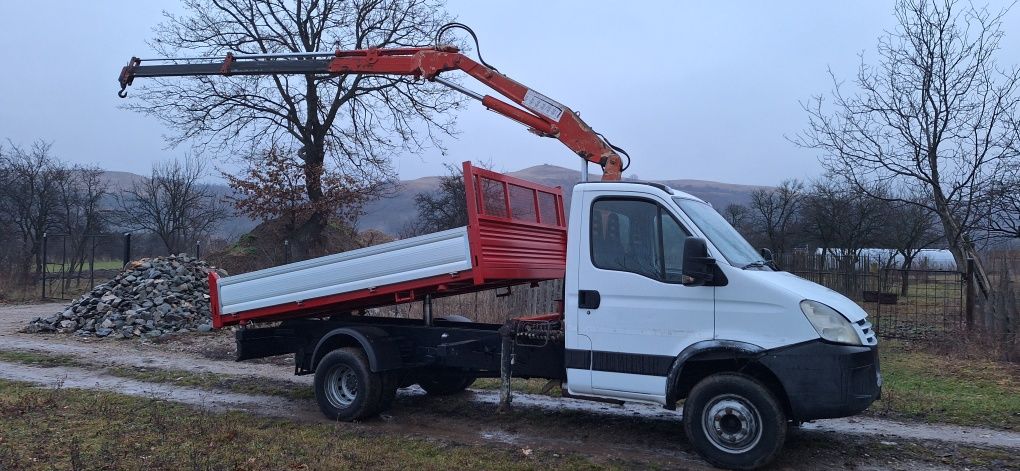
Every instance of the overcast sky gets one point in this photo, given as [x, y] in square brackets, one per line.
[704, 91]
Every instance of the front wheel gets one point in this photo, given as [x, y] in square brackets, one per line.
[344, 386]
[734, 421]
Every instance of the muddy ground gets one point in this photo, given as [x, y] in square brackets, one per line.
[639, 435]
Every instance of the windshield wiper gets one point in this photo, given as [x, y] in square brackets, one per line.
[756, 264]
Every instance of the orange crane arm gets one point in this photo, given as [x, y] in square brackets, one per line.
[539, 113]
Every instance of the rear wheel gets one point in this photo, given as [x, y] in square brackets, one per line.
[734, 421]
[345, 388]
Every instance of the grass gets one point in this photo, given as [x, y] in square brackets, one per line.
[46, 360]
[213, 381]
[518, 385]
[200, 380]
[940, 388]
[74, 429]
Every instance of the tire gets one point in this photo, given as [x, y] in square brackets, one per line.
[345, 388]
[445, 382]
[734, 421]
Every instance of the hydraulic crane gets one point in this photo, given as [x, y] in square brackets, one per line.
[541, 114]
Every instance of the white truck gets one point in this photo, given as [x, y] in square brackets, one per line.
[664, 302]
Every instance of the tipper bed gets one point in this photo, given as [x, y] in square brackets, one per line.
[516, 233]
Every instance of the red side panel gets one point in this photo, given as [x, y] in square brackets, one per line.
[517, 228]
[214, 300]
[517, 234]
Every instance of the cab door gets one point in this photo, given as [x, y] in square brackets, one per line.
[631, 306]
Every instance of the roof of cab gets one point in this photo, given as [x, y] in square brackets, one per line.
[660, 186]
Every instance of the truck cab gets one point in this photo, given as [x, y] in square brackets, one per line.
[665, 301]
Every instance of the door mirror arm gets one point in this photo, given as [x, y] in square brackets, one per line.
[699, 268]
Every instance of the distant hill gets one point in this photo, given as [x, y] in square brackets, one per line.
[390, 214]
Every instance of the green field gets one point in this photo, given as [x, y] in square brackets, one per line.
[940, 388]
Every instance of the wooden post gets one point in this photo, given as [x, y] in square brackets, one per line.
[968, 278]
[505, 366]
[127, 248]
[44, 265]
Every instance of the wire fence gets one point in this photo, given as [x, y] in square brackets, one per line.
[63, 266]
[911, 303]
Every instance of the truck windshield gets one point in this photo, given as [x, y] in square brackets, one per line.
[734, 248]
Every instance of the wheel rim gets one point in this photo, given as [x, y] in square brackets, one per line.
[731, 423]
[342, 386]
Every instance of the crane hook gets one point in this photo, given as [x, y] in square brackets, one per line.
[123, 92]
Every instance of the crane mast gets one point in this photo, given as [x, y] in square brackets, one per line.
[541, 114]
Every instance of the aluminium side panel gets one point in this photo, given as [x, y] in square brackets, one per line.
[399, 261]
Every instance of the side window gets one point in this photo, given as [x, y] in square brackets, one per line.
[673, 237]
[636, 236]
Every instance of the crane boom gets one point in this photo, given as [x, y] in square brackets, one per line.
[539, 113]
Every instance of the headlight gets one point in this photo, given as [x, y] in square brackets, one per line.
[829, 323]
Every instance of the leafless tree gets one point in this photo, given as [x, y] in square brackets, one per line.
[173, 203]
[29, 197]
[840, 220]
[775, 213]
[1001, 218]
[441, 209]
[935, 113]
[81, 210]
[736, 214]
[909, 229]
[348, 125]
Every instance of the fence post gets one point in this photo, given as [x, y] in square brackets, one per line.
[127, 248]
[968, 278]
[44, 265]
[92, 264]
[286, 251]
[198, 249]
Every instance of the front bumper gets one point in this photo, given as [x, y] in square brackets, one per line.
[824, 380]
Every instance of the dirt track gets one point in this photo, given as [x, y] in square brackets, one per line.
[641, 434]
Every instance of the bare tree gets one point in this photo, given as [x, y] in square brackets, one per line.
[81, 211]
[349, 125]
[775, 213]
[441, 209]
[736, 214]
[29, 197]
[172, 203]
[910, 228]
[936, 113]
[1001, 217]
[841, 220]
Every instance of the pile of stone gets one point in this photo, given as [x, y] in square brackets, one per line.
[151, 298]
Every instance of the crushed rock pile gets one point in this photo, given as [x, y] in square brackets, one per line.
[152, 297]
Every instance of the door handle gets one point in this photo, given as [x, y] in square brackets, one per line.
[588, 299]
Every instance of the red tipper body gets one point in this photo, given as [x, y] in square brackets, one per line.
[516, 232]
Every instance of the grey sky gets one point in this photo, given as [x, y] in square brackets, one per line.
[703, 91]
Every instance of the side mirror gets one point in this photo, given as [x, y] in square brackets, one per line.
[698, 266]
[770, 260]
